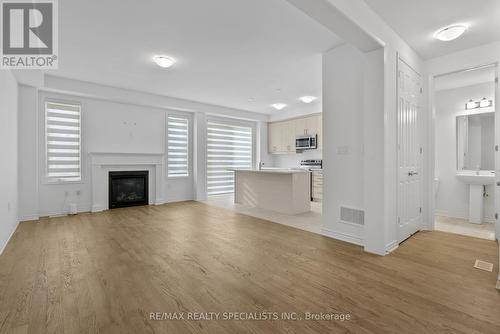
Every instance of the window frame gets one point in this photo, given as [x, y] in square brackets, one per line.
[46, 178]
[189, 118]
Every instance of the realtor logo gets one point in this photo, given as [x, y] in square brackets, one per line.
[29, 34]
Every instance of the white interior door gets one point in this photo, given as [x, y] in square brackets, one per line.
[409, 151]
[497, 157]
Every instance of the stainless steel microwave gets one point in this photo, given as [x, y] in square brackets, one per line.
[305, 142]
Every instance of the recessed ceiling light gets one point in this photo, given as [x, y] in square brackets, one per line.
[307, 99]
[163, 61]
[450, 33]
[278, 106]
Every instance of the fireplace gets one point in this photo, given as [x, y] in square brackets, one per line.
[128, 188]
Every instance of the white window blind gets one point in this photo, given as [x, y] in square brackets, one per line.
[63, 141]
[178, 146]
[228, 147]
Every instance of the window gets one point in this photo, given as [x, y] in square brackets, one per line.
[228, 147]
[178, 146]
[63, 141]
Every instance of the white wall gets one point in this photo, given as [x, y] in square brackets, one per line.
[343, 165]
[452, 199]
[9, 161]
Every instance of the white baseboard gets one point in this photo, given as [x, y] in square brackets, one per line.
[391, 246]
[353, 239]
[465, 217]
[10, 236]
[28, 218]
[97, 208]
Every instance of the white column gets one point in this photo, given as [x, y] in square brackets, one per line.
[200, 156]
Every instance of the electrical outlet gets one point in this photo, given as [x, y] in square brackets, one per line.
[78, 192]
[343, 150]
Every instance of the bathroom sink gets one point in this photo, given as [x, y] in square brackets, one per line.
[481, 178]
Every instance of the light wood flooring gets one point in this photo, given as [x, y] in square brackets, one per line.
[106, 272]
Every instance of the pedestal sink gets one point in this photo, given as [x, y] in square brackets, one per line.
[476, 180]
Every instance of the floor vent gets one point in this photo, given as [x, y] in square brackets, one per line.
[483, 265]
[350, 215]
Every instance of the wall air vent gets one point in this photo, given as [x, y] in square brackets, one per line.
[350, 215]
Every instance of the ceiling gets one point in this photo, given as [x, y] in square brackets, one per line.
[417, 20]
[234, 53]
[465, 78]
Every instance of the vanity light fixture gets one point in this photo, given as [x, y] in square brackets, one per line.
[163, 61]
[307, 99]
[278, 106]
[471, 105]
[485, 103]
[451, 32]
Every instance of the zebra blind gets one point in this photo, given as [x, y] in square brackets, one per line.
[228, 147]
[63, 141]
[178, 146]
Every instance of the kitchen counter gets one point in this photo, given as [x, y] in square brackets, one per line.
[282, 190]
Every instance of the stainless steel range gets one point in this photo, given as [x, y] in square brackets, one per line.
[316, 169]
[311, 164]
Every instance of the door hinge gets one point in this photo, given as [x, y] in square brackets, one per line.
[496, 215]
[496, 80]
[421, 90]
[421, 150]
[420, 209]
[496, 148]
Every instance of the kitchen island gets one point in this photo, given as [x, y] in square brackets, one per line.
[280, 190]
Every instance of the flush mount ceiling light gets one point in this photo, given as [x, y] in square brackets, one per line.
[163, 61]
[307, 99]
[485, 103]
[450, 33]
[278, 106]
[471, 105]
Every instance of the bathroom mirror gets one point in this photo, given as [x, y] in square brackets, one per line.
[476, 141]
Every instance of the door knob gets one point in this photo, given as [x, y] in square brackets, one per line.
[412, 173]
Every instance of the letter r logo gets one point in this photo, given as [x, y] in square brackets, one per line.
[27, 28]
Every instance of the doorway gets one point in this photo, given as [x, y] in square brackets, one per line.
[466, 156]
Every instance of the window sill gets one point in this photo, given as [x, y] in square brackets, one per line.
[178, 177]
[54, 183]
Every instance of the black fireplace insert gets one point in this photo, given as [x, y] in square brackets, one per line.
[128, 188]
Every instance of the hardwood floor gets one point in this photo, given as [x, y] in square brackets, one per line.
[106, 272]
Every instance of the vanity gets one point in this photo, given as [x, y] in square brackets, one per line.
[476, 158]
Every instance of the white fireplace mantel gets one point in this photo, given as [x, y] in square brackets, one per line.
[104, 162]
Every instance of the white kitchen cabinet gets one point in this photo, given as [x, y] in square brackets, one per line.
[288, 137]
[320, 132]
[282, 134]
[317, 186]
[281, 137]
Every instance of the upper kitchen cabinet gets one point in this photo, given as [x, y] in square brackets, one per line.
[281, 137]
[306, 126]
[282, 134]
